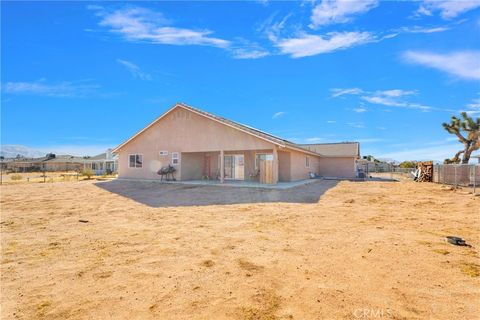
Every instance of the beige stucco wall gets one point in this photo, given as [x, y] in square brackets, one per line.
[298, 170]
[182, 131]
[192, 166]
[337, 167]
[283, 166]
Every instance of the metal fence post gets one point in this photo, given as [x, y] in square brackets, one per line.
[443, 174]
[474, 171]
[455, 176]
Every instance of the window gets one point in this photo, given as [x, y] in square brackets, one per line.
[175, 158]
[163, 153]
[135, 161]
[94, 166]
[307, 162]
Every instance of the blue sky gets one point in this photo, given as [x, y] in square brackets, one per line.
[80, 77]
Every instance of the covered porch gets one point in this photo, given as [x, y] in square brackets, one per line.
[232, 166]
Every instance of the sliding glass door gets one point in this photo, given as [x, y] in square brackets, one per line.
[234, 167]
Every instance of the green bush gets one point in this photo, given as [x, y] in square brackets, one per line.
[16, 177]
[88, 173]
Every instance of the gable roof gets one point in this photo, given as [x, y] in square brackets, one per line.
[340, 149]
[244, 128]
[65, 159]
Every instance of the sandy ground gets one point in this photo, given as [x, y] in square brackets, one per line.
[365, 250]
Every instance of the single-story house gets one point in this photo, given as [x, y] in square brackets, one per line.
[50, 162]
[339, 158]
[201, 145]
[102, 163]
[63, 163]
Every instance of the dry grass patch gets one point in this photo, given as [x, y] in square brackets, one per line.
[249, 266]
[265, 306]
[208, 263]
[470, 269]
[441, 251]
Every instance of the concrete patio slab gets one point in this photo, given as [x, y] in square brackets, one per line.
[236, 183]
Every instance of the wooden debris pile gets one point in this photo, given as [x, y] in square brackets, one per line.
[424, 172]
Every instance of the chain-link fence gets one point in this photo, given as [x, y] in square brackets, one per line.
[384, 171]
[465, 175]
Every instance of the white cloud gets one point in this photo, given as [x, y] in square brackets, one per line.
[331, 121]
[339, 11]
[475, 104]
[245, 49]
[314, 140]
[448, 9]
[396, 92]
[392, 102]
[244, 53]
[308, 44]
[418, 29]
[473, 108]
[463, 64]
[134, 70]
[391, 98]
[359, 110]
[358, 125]
[278, 114]
[42, 88]
[337, 92]
[140, 24]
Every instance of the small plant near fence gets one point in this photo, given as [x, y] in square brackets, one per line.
[16, 177]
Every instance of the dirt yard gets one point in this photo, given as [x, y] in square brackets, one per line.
[365, 250]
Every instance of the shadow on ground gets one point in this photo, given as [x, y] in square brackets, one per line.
[156, 194]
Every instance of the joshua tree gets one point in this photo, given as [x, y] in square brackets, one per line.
[467, 131]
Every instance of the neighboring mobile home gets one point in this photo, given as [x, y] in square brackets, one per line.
[200, 145]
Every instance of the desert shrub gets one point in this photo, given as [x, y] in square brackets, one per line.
[88, 173]
[16, 177]
[408, 164]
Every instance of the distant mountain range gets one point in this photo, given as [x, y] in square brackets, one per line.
[11, 151]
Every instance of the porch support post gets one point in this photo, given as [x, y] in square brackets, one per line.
[222, 166]
[275, 164]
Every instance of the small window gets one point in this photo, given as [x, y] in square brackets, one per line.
[135, 161]
[175, 158]
[94, 166]
[163, 153]
[307, 162]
